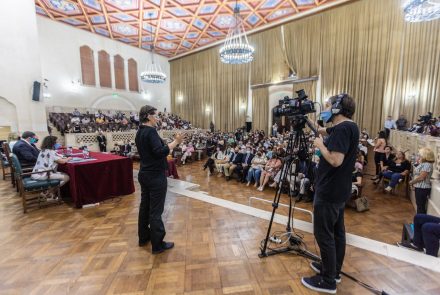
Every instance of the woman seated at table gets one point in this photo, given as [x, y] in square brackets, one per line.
[271, 169]
[257, 166]
[396, 171]
[48, 159]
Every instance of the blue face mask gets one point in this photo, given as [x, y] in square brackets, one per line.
[326, 116]
[57, 146]
[34, 140]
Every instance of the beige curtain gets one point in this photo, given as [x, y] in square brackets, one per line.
[302, 45]
[363, 48]
[203, 90]
[268, 64]
[413, 84]
[260, 109]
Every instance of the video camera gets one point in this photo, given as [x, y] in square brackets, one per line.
[295, 106]
[426, 119]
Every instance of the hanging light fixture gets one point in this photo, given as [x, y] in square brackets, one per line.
[236, 49]
[153, 72]
[422, 10]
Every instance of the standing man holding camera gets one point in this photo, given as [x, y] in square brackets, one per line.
[152, 177]
[332, 190]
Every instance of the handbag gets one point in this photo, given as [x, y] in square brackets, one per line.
[362, 204]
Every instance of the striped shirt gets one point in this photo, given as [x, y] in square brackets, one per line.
[423, 167]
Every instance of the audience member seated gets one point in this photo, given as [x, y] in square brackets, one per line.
[396, 171]
[222, 163]
[125, 149]
[270, 171]
[387, 160]
[187, 150]
[422, 178]
[211, 162]
[48, 159]
[234, 161]
[426, 235]
[257, 165]
[243, 168]
[76, 113]
[25, 149]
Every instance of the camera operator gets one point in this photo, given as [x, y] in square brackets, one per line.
[332, 189]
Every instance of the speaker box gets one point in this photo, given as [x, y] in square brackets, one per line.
[36, 91]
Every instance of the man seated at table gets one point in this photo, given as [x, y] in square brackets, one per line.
[25, 149]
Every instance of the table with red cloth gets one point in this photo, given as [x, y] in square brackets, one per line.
[172, 169]
[97, 180]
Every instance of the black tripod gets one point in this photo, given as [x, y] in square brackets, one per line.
[297, 143]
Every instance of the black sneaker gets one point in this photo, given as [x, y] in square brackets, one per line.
[410, 246]
[317, 283]
[165, 246]
[316, 266]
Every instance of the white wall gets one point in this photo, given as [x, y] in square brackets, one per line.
[20, 63]
[60, 58]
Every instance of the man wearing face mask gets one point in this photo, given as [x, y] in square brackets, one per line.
[246, 162]
[25, 149]
[233, 162]
[152, 177]
[332, 189]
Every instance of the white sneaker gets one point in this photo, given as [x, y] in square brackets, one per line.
[260, 189]
[388, 188]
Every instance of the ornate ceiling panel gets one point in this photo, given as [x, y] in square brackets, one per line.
[174, 26]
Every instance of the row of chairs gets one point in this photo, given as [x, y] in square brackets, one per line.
[31, 191]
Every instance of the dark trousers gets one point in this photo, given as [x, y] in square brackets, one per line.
[427, 233]
[245, 173]
[210, 163]
[102, 148]
[329, 231]
[153, 193]
[377, 158]
[422, 195]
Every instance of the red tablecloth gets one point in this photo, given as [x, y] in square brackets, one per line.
[172, 169]
[94, 181]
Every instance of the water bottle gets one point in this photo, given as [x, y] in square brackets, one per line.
[86, 153]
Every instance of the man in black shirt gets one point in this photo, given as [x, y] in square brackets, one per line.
[153, 154]
[332, 190]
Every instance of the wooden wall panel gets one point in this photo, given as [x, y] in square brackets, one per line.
[87, 65]
[105, 75]
[119, 72]
[133, 83]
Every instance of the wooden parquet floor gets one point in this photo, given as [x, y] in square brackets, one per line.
[383, 222]
[62, 250]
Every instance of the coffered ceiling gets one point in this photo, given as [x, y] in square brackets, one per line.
[174, 26]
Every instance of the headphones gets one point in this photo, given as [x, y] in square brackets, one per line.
[337, 107]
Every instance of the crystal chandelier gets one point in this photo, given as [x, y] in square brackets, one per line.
[236, 49]
[422, 10]
[153, 72]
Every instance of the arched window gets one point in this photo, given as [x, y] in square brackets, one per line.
[119, 72]
[87, 65]
[105, 75]
[133, 83]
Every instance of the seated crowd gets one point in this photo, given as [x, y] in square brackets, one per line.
[110, 121]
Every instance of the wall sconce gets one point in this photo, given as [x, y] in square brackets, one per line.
[180, 98]
[208, 110]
